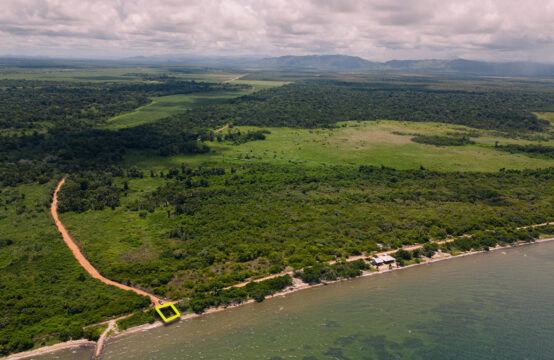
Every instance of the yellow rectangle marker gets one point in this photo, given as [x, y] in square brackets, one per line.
[172, 317]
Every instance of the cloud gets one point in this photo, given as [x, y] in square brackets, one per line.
[373, 29]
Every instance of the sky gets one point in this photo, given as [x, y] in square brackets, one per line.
[377, 30]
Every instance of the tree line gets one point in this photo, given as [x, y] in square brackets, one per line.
[312, 104]
[439, 140]
[533, 150]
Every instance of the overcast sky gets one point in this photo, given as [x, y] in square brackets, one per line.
[373, 29]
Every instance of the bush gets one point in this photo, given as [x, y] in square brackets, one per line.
[402, 254]
[93, 333]
[138, 318]
[318, 272]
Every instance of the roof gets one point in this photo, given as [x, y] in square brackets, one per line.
[387, 257]
[382, 259]
[377, 260]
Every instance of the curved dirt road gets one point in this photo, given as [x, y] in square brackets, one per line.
[79, 256]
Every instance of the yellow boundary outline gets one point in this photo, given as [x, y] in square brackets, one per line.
[171, 318]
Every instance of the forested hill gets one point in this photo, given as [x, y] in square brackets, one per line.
[323, 103]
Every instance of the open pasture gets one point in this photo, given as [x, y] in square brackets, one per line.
[375, 143]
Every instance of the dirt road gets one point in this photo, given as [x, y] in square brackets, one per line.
[80, 257]
[221, 128]
[235, 78]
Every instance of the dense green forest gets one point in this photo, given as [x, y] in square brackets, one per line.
[222, 225]
[324, 103]
[35, 157]
[44, 104]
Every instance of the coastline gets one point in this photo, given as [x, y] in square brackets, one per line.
[71, 344]
[298, 285]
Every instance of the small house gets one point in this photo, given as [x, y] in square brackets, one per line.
[383, 259]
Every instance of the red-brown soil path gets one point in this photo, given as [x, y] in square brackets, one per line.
[81, 258]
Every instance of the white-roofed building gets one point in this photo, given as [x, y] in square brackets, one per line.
[383, 259]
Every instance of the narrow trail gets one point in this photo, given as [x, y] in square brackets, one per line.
[81, 258]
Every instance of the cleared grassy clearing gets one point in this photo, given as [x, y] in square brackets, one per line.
[364, 143]
[165, 106]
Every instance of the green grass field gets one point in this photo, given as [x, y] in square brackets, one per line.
[364, 143]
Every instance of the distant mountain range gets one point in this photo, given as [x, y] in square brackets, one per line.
[356, 64]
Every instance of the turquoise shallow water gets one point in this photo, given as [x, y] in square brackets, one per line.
[498, 305]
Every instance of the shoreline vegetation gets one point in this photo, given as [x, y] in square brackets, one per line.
[296, 285]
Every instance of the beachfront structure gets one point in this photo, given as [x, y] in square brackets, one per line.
[383, 259]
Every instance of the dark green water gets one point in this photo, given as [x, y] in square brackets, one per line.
[498, 305]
